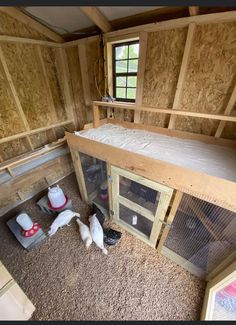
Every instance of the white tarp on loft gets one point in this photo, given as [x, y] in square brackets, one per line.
[207, 158]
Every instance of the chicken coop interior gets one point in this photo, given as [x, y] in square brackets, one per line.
[118, 163]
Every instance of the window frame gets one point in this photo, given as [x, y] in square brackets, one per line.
[123, 74]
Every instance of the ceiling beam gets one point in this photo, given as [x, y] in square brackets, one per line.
[32, 23]
[98, 18]
[194, 11]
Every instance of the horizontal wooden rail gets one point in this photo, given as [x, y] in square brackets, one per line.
[28, 156]
[25, 134]
[31, 41]
[214, 18]
[134, 107]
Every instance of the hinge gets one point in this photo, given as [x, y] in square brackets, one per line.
[169, 225]
[109, 178]
[112, 212]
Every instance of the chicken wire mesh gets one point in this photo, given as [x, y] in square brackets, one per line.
[139, 194]
[95, 177]
[202, 233]
[136, 220]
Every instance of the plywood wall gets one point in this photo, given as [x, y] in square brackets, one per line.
[209, 80]
[95, 70]
[163, 61]
[32, 88]
[211, 76]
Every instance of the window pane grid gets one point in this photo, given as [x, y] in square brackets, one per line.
[125, 63]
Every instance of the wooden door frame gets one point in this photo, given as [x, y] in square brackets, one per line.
[157, 218]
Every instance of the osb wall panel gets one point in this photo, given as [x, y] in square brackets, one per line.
[49, 56]
[12, 27]
[65, 169]
[12, 149]
[38, 140]
[210, 77]
[163, 62]
[93, 52]
[23, 66]
[9, 201]
[32, 189]
[76, 82]
[8, 113]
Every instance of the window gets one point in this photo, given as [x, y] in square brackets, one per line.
[125, 67]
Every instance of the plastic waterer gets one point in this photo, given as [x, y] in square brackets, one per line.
[56, 197]
[24, 221]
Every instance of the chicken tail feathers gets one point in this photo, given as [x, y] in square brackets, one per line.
[52, 231]
[104, 250]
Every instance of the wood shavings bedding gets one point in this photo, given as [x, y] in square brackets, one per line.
[201, 157]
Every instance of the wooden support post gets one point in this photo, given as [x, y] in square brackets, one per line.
[46, 82]
[174, 208]
[109, 186]
[140, 76]
[182, 73]
[85, 79]
[194, 11]
[96, 116]
[109, 75]
[66, 86]
[79, 174]
[228, 111]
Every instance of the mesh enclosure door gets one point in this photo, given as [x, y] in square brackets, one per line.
[201, 235]
[220, 296]
[95, 178]
[139, 204]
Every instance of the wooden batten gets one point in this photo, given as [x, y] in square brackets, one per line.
[174, 23]
[228, 111]
[85, 76]
[140, 74]
[194, 11]
[182, 74]
[166, 111]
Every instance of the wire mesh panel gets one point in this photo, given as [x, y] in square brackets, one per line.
[202, 233]
[139, 193]
[136, 220]
[95, 177]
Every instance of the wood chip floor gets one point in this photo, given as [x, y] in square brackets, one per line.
[66, 282]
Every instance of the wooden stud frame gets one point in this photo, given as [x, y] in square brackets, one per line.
[182, 74]
[215, 190]
[156, 218]
[177, 199]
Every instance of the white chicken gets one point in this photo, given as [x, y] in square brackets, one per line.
[97, 232]
[61, 220]
[84, 233]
